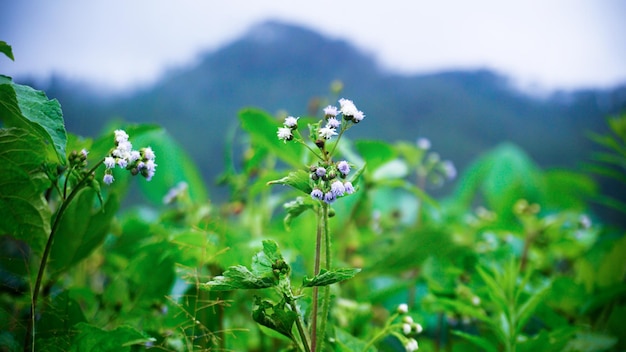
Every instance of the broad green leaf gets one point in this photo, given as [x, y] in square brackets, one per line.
[269, 262]
[463, 308]
[496, 290]
[82, 229]
[568, 190]
[591, 341]
[93, 339]
[325, 277]
[375, 153]
[502, 177]
[274, 316]
[483, 343]
[25, 212]
[345, 342]
[613, 267]
[239, 277]
[57, 320]
[24, 107]
[6, 50]
[403, 184]
[174, 166]
[548, 341]
[262, 128]
[297, 179]
[567, 295]
[297, 207]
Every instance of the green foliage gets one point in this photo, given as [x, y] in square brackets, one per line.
[30, 109]
[6, 50]
[515, 259]
[326, 278]
[262, 129]
[22, 181]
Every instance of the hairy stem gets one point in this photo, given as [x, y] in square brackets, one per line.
[30, 330]
[327, 264]
[316, 271]
[299, 325]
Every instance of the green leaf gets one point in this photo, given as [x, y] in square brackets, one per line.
[375, 153]
[483, 343]
[297, 179]
[568, 190]
[297, 207]
[262, 129]
[403, 184]
[344, 342]
[502, 177]
[94, 339]
[25, 212]
[325, 277]
[548, 341]
[613, 267]
[82, 229]
[24, 107]
[274, 316]
[55, 326]
[6, 50]
[239, 277]
[174, 166]
[591, 341]
[527, 309]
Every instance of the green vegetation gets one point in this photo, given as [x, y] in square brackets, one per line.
[514, 259]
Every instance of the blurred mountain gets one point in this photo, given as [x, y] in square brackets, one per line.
[281, 67]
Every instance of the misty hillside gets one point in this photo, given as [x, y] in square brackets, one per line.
[280, 67]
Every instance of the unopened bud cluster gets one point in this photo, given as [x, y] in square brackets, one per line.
[136, 161]
[409, 328]
[328, 182]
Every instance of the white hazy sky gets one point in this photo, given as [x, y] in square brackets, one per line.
[127, 43]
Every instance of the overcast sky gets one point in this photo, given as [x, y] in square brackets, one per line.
[126, 43]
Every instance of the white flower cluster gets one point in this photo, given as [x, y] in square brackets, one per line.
[327, 177]
[409, 327]
[136, 161]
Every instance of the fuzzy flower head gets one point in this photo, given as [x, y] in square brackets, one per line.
[348, 187]
[358, 116]
[333, 123]
[108, 178]
[291, 122]
[343, 167]
[135, 161]
[347, 107]
[317, 194]
[326, 132]
[338, 188]
[330, 111]
[423, 143]
[285, 134]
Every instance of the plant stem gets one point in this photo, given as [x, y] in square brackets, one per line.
[316, 271]
[299, 324]
[29, 341]
[382, 333]
[327, 264]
